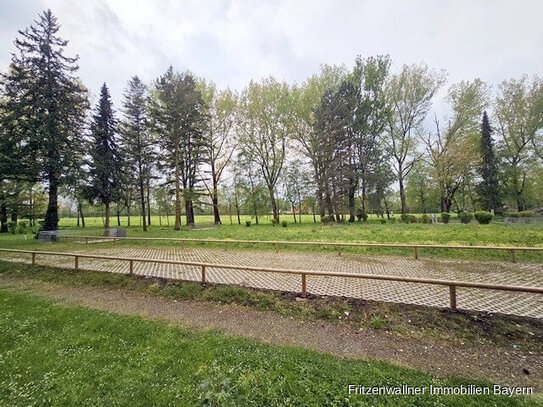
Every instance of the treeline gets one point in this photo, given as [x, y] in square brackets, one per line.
[344, 143]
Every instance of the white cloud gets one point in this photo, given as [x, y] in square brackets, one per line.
[231, 42]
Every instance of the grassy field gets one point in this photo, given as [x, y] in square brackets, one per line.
[56, 355]
[373, 232]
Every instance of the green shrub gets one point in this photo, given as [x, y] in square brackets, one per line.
[361, 215]
[383, 221]
[392, 219]
[273, 222]
[407, 218]
[425, 218]
[465, 217]
[247, 223]
[284, 223]
[40, 227]
[23, 226]
[525, 214]
[12, 226]
[511, 215]
[483, 217]
[445, 217]
[328, 219]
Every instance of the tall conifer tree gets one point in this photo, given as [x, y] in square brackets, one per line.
[136, 143]
[105, 164]
[488, 188]
[45, 108]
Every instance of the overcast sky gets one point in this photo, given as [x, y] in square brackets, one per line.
[231, 42]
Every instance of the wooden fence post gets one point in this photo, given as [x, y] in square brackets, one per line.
[513, 256]
[304, 286]
[452, 293]
[33, 259]
[131, 267]
[76, 262]
[416, 252]
[203, 274]
[86, 240]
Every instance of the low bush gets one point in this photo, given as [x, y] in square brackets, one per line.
[273, 222]
[22, 226]
[392, 219]
[12, 226]
[383, 221]
[284, 223]
[247, 223]
[328, 219]
[425, 218]
[465, 217]
[483, 217]
[407, 218]
[361, 215]
[526, 214]
[445, 217]
[39, 228]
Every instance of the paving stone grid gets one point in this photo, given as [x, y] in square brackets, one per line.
[522, 304]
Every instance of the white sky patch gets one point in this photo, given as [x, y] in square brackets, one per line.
[232, 42]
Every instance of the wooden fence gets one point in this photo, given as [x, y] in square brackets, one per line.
[452, 284]
[276, 243]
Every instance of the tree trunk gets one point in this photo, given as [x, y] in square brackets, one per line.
[128, 212]
[446, 203]
[387, 209]
[51, 216]
[293, 211]
[215, 197]
[148, 202]
[3, 217]
[189, 212]
[14, 215]
[142, 202]
[80, 209]
[402, 195]
[328, 200]
[352, 188]
[364, 195]
[216, 214]
[255, 210]
[236, 204]
[275, 209]
[177, 224]
[31, 204]
[106, 221]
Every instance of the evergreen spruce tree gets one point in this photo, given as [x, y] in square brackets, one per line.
[179, 119]
[488, 187]
[136, 144]
[105, 164]
[45, 107]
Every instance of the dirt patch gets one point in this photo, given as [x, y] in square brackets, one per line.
[489, 363]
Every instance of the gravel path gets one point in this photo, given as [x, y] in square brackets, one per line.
[442, 359]
[522, 304]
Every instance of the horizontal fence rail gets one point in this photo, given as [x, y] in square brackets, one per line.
[452, 284]
[276, 243]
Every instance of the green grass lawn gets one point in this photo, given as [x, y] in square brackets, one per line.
[52, 354]
[451, 234]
